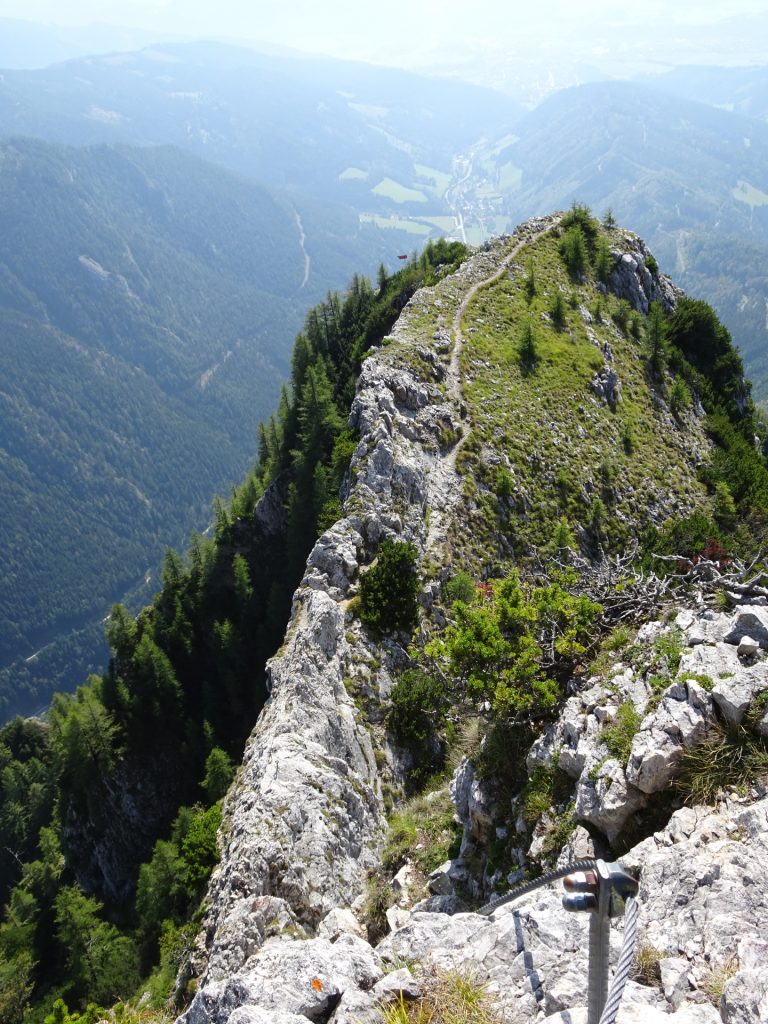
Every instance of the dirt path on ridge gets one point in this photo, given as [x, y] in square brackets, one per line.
[444, 492]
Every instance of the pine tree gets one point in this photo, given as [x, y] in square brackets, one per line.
[655, 343]
[528, 351]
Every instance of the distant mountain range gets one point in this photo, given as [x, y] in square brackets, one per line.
[280, 120]
[148, 298]
[743, 90]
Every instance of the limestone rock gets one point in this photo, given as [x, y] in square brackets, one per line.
[745, 996]
[396, 917]
[675, 979]
[733, 684]
[310, 796]
[403, 881]
[607, 386]
[340, 921]
[473, 803]
[270, 511]
[708, 627]
[681, 720]
[441, 905]
[302, 978]
[749, 621]
[704, 886]
[747, 647]
[440, 883]
[333, 561]
[607, 800]
[632, 280]
[397, 983]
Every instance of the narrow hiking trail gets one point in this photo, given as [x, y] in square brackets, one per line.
[445, 491]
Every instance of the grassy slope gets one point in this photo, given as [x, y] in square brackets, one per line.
[561, 443]
[542, 445]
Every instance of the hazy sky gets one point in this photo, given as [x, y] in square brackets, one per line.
[407, 30]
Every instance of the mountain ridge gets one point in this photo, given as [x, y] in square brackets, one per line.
[538, 422]
[299, 840]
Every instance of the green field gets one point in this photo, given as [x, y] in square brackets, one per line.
[413, 227]
[502, 143]
[353, 174]
[441, 223]
[391, 189]
[510, 177]
[746, 193]
[441, 179]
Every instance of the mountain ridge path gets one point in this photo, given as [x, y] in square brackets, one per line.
[444, 494]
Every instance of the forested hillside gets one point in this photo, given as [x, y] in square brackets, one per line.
[147, 305]
[111, 805]
[130, 769]
[680, 157]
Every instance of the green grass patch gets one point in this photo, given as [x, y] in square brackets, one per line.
[353, 174]
[547, 421]
[423, 832]
[619, 735]
[731, 759]
[448, 997]
[746, 193]
[391, 189]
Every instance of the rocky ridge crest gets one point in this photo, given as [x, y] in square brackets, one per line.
[306, 817]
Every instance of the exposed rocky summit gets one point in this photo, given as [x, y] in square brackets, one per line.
[283, 940]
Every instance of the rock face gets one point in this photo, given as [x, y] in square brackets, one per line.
[703, 897]
[632, 280]
[305, 820]
[313, 796]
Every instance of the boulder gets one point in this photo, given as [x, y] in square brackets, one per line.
[607, 799]
[397, 983]
[751, 621]
[340, 921]
[747, 647]
[745, 996]
[682, 719]
[302, 978]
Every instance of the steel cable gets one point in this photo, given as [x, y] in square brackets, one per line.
[631, 916]
[613, 1002]
[588, 864]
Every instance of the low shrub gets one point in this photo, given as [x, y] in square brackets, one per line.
[389, 590]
